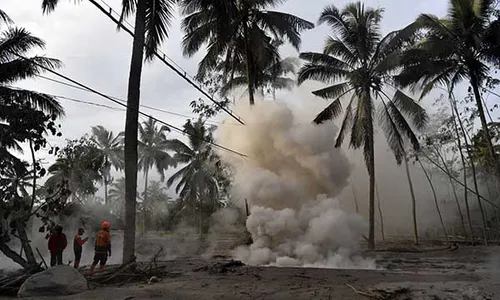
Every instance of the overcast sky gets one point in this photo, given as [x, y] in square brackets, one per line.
[94, 53]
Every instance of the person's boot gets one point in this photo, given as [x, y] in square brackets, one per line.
[92, 269]
[77, 264]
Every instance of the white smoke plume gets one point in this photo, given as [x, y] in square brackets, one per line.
[290, 178]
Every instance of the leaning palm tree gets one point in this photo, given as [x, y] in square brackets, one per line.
[111, 148]
[152, 20]
[454, 49]
[238, 31]
[153, 152]
[198, 179]
[358, 62]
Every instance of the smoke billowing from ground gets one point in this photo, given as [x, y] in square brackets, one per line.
[290, 178]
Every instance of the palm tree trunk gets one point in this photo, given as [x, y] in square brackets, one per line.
[356, 206]
[413, 202]
[473, 169]
[145, 200]
[249, 67]
[380, 214]
[131, 126]
[106, 191]
[369, 152]
[33, 193]
[435, 200]
[454, 192]
[464, 167]
[484, 124]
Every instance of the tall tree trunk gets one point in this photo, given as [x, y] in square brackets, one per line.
[380, 214]
[473, 169]
[484, 124]
[249, 67]
[369, 152]
[4, 248]
[131, 126]
[454, 192]
[23, 236]
[464, 167]
[145, 200]
[413, 201]
[356, 206]
[33, 192]
[435, 200]
[106, 181]
[106, 191]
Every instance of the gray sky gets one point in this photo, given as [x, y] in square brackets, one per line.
[94, 53]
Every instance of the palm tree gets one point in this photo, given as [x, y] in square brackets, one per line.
[153, 147]
[359, 61]
[152, 19]
[239, 31]
[453, 49]
[117, 198]
[199, 178]
[273, 77]
[111, 148]
[158, 201]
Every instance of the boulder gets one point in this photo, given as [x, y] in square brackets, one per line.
[56, 281]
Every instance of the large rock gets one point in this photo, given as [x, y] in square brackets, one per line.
[58, 280]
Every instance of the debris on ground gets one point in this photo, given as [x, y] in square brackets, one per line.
[220, 267]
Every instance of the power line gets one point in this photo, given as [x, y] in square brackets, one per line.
[163, 57]
[122, 104]
[121, 100]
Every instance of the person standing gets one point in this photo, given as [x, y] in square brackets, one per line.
[57, 243]
[77, 246]
[102, 247]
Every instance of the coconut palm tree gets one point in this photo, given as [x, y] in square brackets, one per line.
[358, 62]
[272, 77]
[153, 147]
[456, 48]
[199, 178]
[111, 148]
[152, 20]
[238, 31]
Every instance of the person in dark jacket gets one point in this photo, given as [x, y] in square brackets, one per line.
[57, 244]
[78, 242]
[102, 247]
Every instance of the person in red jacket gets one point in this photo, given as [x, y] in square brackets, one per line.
[57, 244]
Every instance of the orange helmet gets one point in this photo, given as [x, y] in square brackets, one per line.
[105, 224]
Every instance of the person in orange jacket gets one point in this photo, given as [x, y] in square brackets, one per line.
[77, 246]
[102, 247]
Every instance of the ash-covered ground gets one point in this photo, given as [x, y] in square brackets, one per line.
[434, 273]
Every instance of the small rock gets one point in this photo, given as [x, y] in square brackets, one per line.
[56, 281]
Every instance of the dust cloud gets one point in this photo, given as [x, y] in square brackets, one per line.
[291, 177]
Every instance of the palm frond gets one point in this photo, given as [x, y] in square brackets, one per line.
[409, 107]
[159, 15]
[334, 91]
[336, 47]
[321, 73]
[4, 17]
[393, 137]
[403, 126]
[345, 123]
[283, 25]
[49, 5]
[41, 101]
